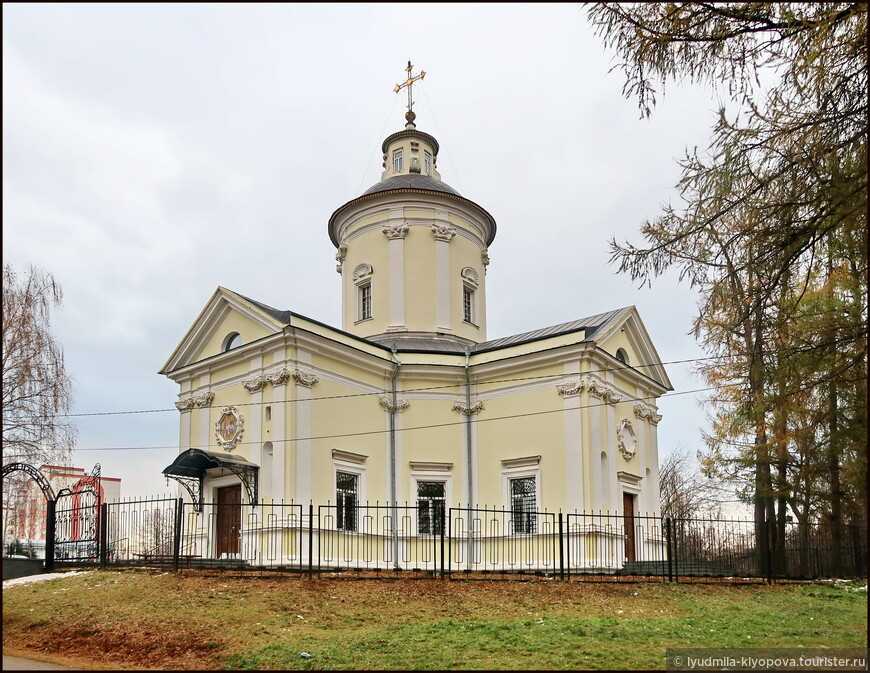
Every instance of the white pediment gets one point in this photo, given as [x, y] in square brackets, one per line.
[225, 311]
[643, 355]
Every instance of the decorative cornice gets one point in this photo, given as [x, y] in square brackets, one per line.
[277, 376]
[394, 231]
[443, 232]
[468, 411]
[602, 389]
[362, 270]
[470, 275]
[203, 399]
[303, 378]
[647, 411]
[184, 404]
[386, 402]
[626, 439]
[254, 383]
[571, 387]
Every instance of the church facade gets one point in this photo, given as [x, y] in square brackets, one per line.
[410, 401]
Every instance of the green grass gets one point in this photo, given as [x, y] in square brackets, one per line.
[138, 620]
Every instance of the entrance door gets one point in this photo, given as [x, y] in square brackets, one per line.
[229, 519]
[628, 524]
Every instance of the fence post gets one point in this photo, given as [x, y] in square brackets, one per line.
[50, 527]
[176, 535]
[769, 534]
[104, 535]
[311, 539]
[442, 541]
[561, 549]
[669, 549]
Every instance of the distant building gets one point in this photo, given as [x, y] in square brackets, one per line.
[24, 511]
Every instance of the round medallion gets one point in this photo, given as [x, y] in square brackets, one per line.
[229, 427]
[626, 438]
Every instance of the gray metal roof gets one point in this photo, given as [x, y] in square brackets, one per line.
[411, 181]
[282, 317]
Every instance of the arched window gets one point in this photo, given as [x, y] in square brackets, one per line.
[232, 340]
[622, 356]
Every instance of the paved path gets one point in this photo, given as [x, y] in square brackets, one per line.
[18, 664]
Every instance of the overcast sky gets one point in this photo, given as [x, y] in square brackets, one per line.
[154, 152]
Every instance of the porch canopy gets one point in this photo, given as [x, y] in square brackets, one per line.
[190, 467]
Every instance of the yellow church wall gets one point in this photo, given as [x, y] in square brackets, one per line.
[232, 322]
[619, 340]
[419, 269]
[521, 437]
[369, 248]
[466, 253]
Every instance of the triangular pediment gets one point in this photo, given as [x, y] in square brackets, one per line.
[225, 313]
[628, 333]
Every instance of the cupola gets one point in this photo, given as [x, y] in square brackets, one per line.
[412, 251]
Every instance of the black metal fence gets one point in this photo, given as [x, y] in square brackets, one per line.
[459, 542]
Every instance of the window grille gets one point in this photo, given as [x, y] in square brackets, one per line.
[397, 160]
[365, 301]
[430, 507]
[346, 500]
[523, 505]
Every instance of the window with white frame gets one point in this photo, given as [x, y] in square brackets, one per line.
[232, 340]
[427, 162]
[521, 479]
[398, 156]
[523, 505]
[431, 496]
[346, 500]
[468, 304]
[364, 309]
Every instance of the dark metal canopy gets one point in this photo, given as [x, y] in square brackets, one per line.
[189, 469]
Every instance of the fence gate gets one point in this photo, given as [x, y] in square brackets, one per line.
[77, 525]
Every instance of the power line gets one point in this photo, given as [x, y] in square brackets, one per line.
[457, 385]
[415, 427]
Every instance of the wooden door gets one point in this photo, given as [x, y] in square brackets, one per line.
[628, 524]
[229, 519]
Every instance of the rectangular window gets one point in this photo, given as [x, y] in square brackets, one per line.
[430, 507]
[467, 304]
[397, 160]
[523, 505]
[365, 301]
[268, 413]
[427, 163]
[346, 500]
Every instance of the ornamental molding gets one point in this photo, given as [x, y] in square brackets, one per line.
[470, 275]
[484, 258]
[229, 428]
[185, 404]
[254, 383]
[468, 411]
[362, 270]
[443, 232]
[647, 411]
[602, 390]
[203, 399]
[386, 402]
[626, 439]
[571, 387]
[277, 376]
[395, 231]
[304, 378]
[339, 256]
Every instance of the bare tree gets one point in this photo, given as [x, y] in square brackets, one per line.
[37, 392]
[686, 493]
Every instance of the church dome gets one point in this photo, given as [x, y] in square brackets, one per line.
[410, 181]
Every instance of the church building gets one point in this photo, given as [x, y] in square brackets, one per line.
[410, 400]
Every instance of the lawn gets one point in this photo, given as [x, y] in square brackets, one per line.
[163, 621]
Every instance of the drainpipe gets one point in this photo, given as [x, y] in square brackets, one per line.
[393, 489]
[468, 465]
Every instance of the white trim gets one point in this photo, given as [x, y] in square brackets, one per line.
[348, 457]
[519, 468]
[442, 286]
[396, 251]
[439, 472]
[339, 465]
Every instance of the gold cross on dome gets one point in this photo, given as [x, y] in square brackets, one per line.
[409, 83]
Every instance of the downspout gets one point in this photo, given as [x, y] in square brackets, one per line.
[393, 489]
[469, 462]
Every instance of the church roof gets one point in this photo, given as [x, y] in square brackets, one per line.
[411, 181]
